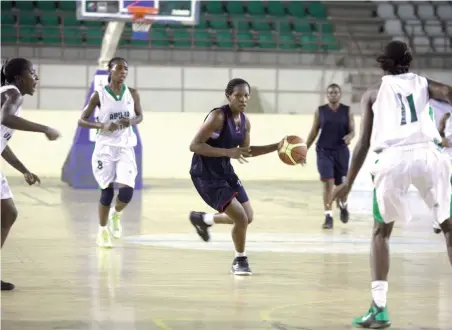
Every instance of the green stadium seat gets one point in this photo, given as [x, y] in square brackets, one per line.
[329, 42]
[219, 22]
[287, 41]
[93, 24]
[235, 7]
[94, 37]
[72, 36]
[6, 5]
[7, 19]
[46, 5]
[214, 7]
[276, 8]
[9, 33]
[51, 36]
[224, 39]
[202, 39]
[296, 8]
[70, 20]
[159, 38]
[24, 5]
[181, 38]
[202, 24]
[67, 5]
[245, 40]
[255, 7]
[325, 28]
[308, 42]
[26, 18]
[240, 23]
[261, 25]
[27, 34]
[302, 26]
[282, 26]
[140, 43]
[316, 9]
[48, 19]
[266, 40]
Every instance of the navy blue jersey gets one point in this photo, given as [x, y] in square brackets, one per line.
[230, 136]
[334, 125]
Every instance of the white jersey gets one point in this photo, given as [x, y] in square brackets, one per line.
[112, 109]
[6, 132]
[402, 115]
[440, 109]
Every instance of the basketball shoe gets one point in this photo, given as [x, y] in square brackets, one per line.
[114, 222]
[375, 318]
[7, 286]
[202, 229]
[241, 267]
[103, 238]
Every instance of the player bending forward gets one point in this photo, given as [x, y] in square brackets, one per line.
[405, 134]
[114, 156]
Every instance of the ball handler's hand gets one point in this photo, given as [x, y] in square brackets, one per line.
[111, 127]
[348, 139]
[52, 134]
[240, 153]
[339, 192]
[31, 178]
[124, 122]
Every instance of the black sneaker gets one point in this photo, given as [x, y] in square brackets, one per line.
[328, 224]
[344, 214]
[7, 286]
[241, 267]
[197, 220]
[437, 230]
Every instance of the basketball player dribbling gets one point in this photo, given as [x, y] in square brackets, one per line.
[113, 157]
[336, 124]
[405, 137]
[225, 134]
[18, 78]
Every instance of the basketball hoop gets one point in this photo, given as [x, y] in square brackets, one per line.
[140, 24]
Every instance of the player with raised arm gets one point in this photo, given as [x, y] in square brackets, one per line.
[18, 78]
[396, 112]
[113, 158]
[225, 134]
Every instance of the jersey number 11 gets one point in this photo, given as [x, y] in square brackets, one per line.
[413, 115]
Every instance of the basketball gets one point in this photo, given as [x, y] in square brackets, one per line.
[292, 150]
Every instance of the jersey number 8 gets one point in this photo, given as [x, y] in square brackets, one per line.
[413, 114]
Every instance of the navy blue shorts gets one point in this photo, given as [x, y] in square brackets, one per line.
[218, 194]
[333, 164]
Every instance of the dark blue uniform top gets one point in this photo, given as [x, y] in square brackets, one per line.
[334, 125]
[230, 136]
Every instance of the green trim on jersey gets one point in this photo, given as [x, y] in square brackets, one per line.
[116, 97]
[375, 208]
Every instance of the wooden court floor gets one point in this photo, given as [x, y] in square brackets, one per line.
[161, 276]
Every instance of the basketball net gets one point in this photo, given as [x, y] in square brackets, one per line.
[141, 25]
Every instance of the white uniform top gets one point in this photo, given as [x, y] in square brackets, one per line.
[440, 109]
[6, 132]
[112, 109]
[402, 115]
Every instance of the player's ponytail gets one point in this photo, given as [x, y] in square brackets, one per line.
[396, 58]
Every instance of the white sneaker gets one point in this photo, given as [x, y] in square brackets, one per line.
[115, 223]
[103, 238]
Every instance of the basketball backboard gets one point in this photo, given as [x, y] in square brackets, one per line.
[169, 11]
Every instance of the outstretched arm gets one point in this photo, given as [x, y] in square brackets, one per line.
[13, 101]
[314, 130]
[12, 160]
[256, 150]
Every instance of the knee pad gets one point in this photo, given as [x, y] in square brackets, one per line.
[125, 194]
[106, 197]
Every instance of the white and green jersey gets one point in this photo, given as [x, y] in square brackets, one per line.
[402, 115]
[440, 109]
[6, 132]
[112, 109]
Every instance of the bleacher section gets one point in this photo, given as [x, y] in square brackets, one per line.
[267, 25]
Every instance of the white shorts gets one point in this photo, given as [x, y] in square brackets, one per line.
[114, 164]
[423, 166]
[5, 191]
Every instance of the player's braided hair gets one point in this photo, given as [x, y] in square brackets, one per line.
[235, 82]
[111, 62]
[13, 68]
[396, 58]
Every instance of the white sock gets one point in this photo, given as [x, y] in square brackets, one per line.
[330, 213]
[101, 228]
[379, 292]
[208, 218]
[240, 254]
[343, 205]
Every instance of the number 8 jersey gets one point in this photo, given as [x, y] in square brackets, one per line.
[402, 115]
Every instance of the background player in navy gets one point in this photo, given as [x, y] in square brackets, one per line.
[18, 78]
[225, 134]
[337, 129]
